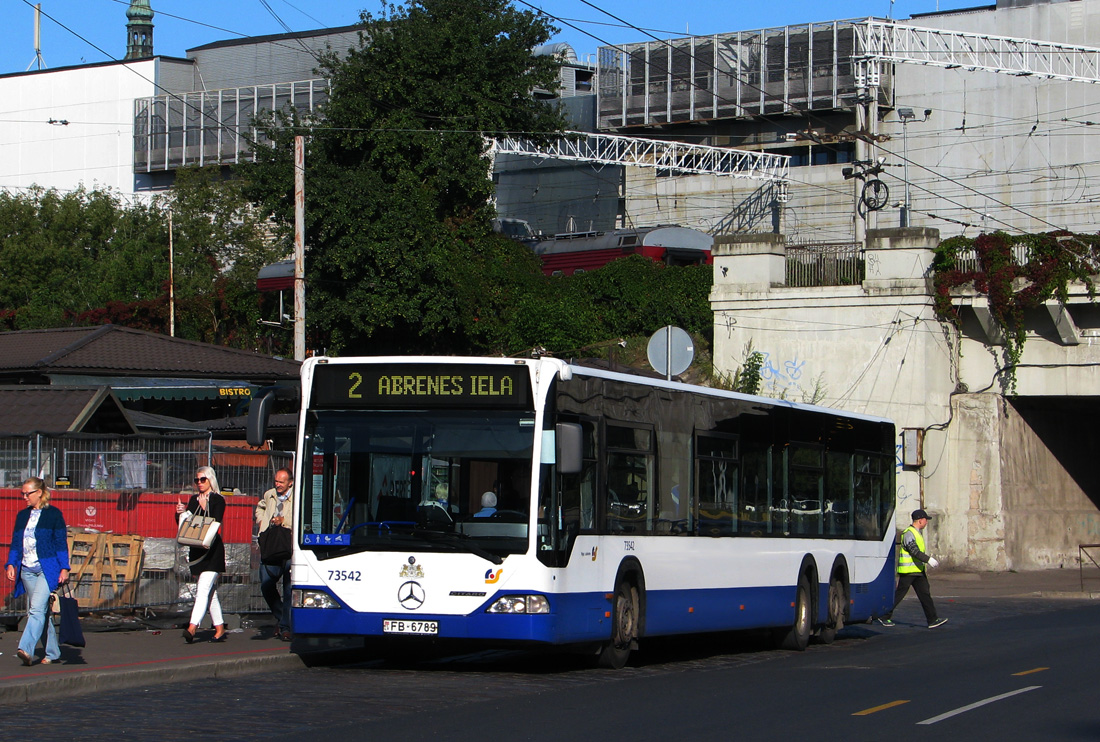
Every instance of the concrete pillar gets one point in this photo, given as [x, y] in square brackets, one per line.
[749, 262]
[970, 527]
[900, 259]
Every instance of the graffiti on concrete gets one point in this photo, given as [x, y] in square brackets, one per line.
[783, 379]
[1090, 527]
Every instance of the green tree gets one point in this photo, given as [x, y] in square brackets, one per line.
[90, 257]
[400, 250]
[67, 253]
[220, 242]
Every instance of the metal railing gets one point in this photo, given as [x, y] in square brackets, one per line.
[1082, 553]
[967, 260]
[827, 264]
[213, 127]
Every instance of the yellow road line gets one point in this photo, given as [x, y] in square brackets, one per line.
[883, 707]
[1028, 672]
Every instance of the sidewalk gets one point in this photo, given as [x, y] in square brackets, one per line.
[1048, 583]
[151, 653]
[138, 657]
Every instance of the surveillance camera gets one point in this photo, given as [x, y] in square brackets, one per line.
[927, 112]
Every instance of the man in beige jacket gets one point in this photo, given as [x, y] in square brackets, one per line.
[274, 511]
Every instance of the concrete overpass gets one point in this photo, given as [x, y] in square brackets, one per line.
[1007, 477]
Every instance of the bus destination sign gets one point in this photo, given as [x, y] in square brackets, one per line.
[421, 385]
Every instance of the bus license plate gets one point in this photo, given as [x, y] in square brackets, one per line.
[398, 626]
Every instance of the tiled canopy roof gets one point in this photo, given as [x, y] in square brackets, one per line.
[61, 409]
[122, 351]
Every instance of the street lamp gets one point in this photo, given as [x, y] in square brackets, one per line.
[906, 115]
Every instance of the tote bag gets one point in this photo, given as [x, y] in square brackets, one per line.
[197, 530]
[69, 630]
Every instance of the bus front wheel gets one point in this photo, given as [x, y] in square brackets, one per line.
[624, 627]
[798, 635]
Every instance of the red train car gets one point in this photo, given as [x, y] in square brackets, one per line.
[576, 252]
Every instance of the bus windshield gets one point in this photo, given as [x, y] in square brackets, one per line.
[445, 480]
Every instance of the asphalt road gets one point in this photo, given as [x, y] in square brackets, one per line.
[1006, 669]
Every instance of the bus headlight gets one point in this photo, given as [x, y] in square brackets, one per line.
[520, 604]
[313, 599]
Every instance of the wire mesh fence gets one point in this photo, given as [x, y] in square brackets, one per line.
[118, 495]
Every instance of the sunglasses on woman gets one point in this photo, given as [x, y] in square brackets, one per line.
[200, 480]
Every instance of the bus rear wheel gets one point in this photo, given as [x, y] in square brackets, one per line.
[624, 627]
[835, 621]
[798, 635]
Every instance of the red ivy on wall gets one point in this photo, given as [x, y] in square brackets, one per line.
[1016, 273]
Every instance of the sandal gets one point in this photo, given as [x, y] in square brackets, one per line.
[188, 636]
[26, 658]
[46, 661]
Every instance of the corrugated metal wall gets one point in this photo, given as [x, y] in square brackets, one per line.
[278, 60]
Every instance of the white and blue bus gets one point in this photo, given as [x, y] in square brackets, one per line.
[539, 502]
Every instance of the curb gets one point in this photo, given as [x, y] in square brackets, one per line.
[1066, 595]
[107, 679]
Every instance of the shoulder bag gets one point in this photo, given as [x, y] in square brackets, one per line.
[275, 545]
[197, 530]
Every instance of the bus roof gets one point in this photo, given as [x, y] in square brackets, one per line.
[565, 369]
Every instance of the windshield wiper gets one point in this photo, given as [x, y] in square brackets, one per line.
[461, 542]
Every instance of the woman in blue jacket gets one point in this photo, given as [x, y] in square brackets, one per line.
[38, 561]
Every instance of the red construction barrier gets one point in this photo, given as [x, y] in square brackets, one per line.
[152, 515]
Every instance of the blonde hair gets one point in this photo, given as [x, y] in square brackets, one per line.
[211, 477]
[43, 492]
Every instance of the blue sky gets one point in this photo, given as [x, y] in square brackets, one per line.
[94, 30]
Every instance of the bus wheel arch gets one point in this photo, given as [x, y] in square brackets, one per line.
[627, 616]
[837, 602]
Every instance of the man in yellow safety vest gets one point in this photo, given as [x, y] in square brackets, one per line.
[912, 562]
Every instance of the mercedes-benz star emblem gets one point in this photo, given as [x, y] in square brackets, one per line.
[410, 595]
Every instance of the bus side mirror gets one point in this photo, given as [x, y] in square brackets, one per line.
[570, 451]
[258, 412]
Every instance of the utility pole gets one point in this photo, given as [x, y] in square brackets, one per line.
[171, 280]
[299, 248]
[907, 116]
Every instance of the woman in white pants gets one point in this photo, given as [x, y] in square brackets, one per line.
[206, 564]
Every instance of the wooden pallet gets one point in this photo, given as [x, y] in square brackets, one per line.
[106, 569]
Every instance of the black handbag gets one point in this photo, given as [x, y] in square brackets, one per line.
[69, 630]
[276, 545]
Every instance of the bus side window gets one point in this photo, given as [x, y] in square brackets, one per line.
[753, 508]
[630, 465]
[717, 475]
[805, 489]
[869, 484]
[839, 500]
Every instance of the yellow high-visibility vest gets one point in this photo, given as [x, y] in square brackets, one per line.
[906, 563]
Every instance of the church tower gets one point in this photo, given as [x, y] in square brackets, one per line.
[139, 30]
